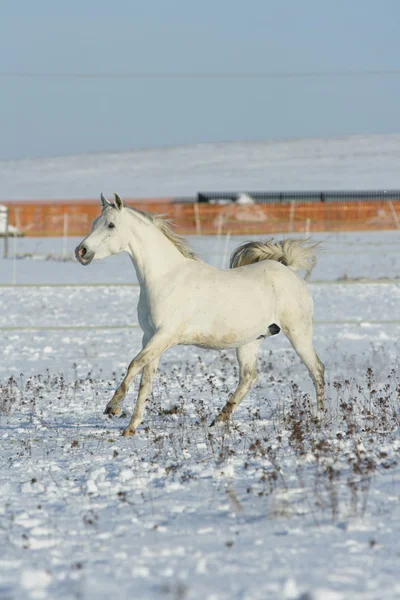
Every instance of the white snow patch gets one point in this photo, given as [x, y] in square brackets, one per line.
[35, 579]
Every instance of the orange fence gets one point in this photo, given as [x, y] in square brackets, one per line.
[74, 218]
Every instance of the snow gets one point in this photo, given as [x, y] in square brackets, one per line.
[346, 256]
[281, 505]
[354, 162]
[244, 199]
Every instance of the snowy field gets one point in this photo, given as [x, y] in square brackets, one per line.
[343, 256]
[353, 162]
[282, 505]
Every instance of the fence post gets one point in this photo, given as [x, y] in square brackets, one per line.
[197, 218]
[291, 216]
[220, 222]
[65, 236]
[226, 247]
[14, 269]
[394, 214]
[6, 234]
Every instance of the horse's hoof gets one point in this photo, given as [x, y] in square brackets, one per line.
[111, 410]
[223, 418]
[128, 432]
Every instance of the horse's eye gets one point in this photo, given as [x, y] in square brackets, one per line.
[110, 226]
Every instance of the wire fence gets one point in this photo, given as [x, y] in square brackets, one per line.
[285, 197]
[75, 218]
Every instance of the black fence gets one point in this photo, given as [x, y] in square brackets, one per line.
[305, 196]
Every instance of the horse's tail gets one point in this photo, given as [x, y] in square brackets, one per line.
[297, 254]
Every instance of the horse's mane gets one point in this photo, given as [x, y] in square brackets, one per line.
[164, 225]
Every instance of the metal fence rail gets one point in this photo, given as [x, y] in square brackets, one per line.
[283, 197]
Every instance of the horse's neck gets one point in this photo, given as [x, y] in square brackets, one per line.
[152, 254]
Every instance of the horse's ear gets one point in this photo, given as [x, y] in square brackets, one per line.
[118, 202]
[104, 201]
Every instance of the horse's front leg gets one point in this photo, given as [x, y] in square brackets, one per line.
[151, 351]
[146, 383]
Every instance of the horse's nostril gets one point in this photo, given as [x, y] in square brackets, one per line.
[83, 254]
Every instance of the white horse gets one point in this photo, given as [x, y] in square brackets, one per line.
[183, 300]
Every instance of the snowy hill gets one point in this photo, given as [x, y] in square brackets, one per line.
[355, 162]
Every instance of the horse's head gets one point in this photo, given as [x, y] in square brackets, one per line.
[109, 235]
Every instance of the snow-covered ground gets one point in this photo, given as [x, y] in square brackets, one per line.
[354, 162]
[282, 505]
[373, 255]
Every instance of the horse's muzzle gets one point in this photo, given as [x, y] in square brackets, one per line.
[83, 255]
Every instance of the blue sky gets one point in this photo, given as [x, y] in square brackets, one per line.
[44, 116]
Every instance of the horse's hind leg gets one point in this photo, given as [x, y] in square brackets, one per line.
[247, 357]
[301, 339]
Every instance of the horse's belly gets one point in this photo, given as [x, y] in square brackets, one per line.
[218, 340]
[213, 346]
[209, 344]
